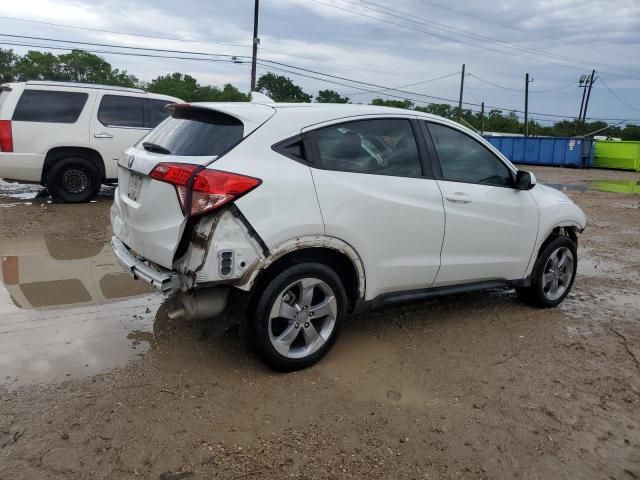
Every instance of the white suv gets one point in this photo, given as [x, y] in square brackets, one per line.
[294, 215]
[68, 136]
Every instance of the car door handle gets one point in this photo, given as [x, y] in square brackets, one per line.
[458, 197]
[102, 135]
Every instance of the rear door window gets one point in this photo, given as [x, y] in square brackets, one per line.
[157, 112]
[49, 106]
[121, 111]
[379, 147]
[197, 132]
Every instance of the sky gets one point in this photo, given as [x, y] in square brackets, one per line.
[390, 44]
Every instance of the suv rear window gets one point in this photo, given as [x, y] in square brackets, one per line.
[197, 132]
[121, 111]
[157, 112]
[49, 106]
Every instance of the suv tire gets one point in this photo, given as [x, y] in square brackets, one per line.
[298, 317]
[553, 273]
[73, 180]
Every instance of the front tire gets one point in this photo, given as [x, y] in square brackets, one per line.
[73, 180]
[298, 317]
[553, 273]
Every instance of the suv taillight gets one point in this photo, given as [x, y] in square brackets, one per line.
[210, 188]
[6, 136]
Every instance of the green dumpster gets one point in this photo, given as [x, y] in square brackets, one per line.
[618, 155]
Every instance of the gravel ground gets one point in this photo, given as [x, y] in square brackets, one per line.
[99, 383]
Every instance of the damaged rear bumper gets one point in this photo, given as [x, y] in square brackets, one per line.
[164, 280]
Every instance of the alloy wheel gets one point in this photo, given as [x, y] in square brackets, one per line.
[302, 318]
[557, 273]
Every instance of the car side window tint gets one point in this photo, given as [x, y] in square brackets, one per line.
[49, 106]
[379, 147]
[464, 159]
[157, 112]
[121, 111]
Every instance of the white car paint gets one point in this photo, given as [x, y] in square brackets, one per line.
[400, 233]
[33, 140]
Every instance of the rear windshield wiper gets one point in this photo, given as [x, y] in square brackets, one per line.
[155, 148]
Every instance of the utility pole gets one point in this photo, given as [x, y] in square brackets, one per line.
[582, 84]
[592, 80]
[461, 93]
[256, 41]
[482, 119]
[526, 104]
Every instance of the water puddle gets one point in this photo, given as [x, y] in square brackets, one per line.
[35, 193]
[629, 187]
[67, 309]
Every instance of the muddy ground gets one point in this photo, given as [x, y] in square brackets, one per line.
[98, 383]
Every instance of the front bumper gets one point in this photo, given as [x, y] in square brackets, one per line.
[164, 280]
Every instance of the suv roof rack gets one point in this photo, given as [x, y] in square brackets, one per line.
[97, 86]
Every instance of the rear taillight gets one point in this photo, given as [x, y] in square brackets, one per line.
[210, 189]
[6, 136]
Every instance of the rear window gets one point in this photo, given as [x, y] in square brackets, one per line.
[157, 112]
[121, 111]
[197, 132]
[49, 106]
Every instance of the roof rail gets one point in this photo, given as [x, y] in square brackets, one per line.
[97, 86]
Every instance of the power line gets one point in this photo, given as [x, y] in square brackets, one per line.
[96, 44]
[419, 20]
[572, 84]
[437, 35]
[411, 18]
[409, 84]
[616, 96]
[113, 52]
[521, 30]
[237, 59]
[495, 84]
[174, 39]
[408, 95]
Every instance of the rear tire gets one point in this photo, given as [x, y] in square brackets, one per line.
[73, 180]
[298, 317]
[553, 274]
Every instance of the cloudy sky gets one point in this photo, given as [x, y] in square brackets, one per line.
[391, 44]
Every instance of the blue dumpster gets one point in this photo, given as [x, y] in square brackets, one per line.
[552, 151]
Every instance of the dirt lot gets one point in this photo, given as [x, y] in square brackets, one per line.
[98, 383]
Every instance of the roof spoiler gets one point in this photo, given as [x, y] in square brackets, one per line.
[257, 97]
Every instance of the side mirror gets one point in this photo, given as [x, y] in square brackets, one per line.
[525, 180]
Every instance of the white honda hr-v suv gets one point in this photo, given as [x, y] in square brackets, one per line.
[292, 216]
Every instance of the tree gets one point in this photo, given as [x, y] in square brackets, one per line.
[77, 66]
[229, 93]
[176, 85]
[188, 89]
[406, 104]
[39, 66]
[80, 66]
[7, 65]
[331, 96]
[281, 89]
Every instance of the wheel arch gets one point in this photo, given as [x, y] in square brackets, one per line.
[330, 251]
[58, 153]
[568, 228]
